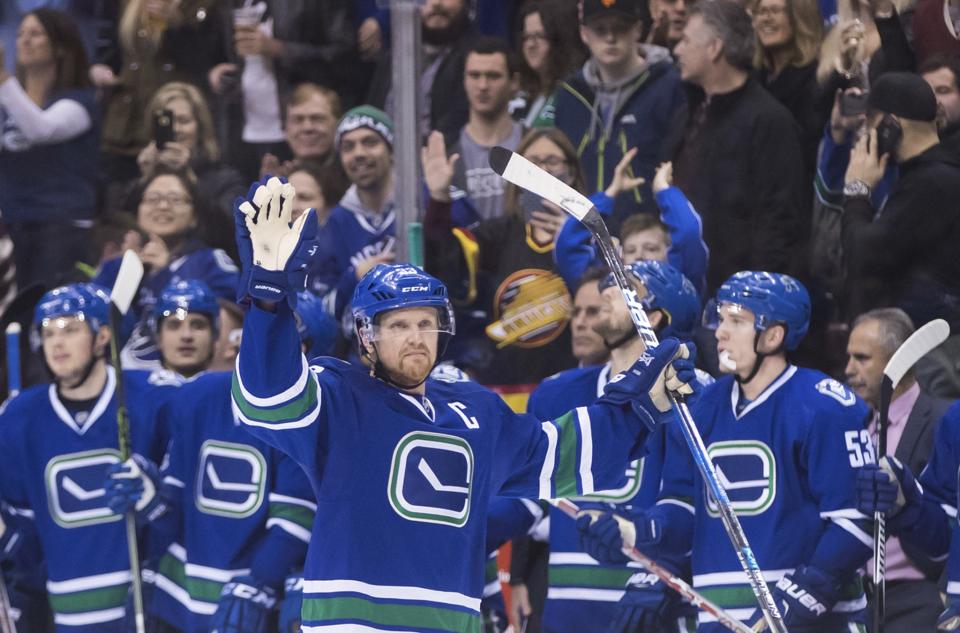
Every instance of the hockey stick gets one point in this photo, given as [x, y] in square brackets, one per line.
[124, 289]
[13, 359]
[920, 343]
[676, 583]
[521, 172]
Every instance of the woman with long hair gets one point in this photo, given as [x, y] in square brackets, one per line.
[48, 148]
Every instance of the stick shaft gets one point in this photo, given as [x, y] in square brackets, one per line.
[679, 585]
[123, 439]
[691, 434]
[13, 362]
[879, 521]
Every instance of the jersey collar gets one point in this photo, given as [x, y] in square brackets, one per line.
[771, 388]
[102, 403]
[603, 378]
[425, 406]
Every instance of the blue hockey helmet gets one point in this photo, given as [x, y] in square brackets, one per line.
[669, 291]
[317, 328]
[183, 297]
[89, 303]
[773, 298]
[395, 286]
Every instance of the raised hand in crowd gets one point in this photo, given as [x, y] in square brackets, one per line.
[663, 179]
[102, 76]
[623, 178]
[174, 156]
[437, 167]
[223, 77]
[271, 165]
[155, 254]
[369, 39]
[841, 125]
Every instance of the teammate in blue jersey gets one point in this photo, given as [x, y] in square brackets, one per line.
[56, 443]
[403, 467]
[787, 443]
[922, 511]
[186, 320]
[235, 516]
[584, 595]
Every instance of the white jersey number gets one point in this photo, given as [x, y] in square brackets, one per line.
[859, 447]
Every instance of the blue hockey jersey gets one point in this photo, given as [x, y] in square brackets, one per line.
[53, 469]
[403, 483]
[788, 461]
[583, 593]
[243, 507]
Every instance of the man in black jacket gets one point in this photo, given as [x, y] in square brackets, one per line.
[739, 161]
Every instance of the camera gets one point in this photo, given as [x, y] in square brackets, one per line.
[162, 128]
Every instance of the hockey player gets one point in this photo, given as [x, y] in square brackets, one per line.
[786, 443]
[398, 538]
[186, 321]
[56, 443]
[235, 516]
[583, 595]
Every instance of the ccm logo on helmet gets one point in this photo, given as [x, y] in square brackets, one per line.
[415, 289]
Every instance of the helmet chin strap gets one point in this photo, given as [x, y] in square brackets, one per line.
[87, 370]
[759, 360]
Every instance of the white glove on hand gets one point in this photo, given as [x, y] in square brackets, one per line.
[268, 221]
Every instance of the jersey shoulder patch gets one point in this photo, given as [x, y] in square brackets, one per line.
[445, 372]
[224, 262]
[836, 390]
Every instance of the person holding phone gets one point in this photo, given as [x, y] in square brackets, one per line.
[905, 255]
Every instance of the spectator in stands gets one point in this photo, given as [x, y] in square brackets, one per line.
[669, 17]
[271, 47]
[490, 79]
[319, 187]
[227, 345]
[85, 15]
[528, 308]
[893, 258]
[551, 50]
[912, 596]
[194, 147]
[48, 148]
[359, 233]
[936, 25]
[588, 346]
[739, 161]
[447, 34]
[168, 214]
[676, 237]
[311, 117]
[942, 72]
[143, 47]
[788, 35]
[622, 98]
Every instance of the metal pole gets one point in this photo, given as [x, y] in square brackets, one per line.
[405, 27]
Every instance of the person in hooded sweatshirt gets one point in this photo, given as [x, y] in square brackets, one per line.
[623, 97]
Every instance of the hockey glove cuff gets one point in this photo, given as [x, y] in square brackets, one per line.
[605, 535]
[803, 596]
[133, 486]
[292, 604]
[244, 607]
[649, 605]
[888, 488]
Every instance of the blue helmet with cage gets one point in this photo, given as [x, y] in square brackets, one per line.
[89, 303]
[773, 298]
[395, 286]
[669, 291]
[183, 297]
[317, 328]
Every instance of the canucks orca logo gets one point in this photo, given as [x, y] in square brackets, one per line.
[625, 493]
[75, 490]
[230, 479]
[431, 478]
[833, 389]
[747, 470]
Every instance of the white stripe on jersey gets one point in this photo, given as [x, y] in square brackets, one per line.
[213, 573]
[295, 390]
[857, 533]
[173, 481]
[580, 558]
[676, 502]
[546, 471]
[586, 451]
[90, 617]
[180, 594]
[290, 528]
[391, 592]
[578, 593]
[89, 582]
[845, 513]
[296, 424]
[491, 589]
[738, 614]
[273, 496]
[953, 587]
[735, 577]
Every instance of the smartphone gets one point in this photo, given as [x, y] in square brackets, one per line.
[529, 202]
[889, 134]
[162, 127]
[853, 103]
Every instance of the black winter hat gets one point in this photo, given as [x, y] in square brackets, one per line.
[629, 9]
[905, 95]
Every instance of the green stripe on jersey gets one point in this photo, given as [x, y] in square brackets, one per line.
[565, 474]
[292, 512]
[199, 589]
[295, 409]
[591, 576]
[90, 600]
[416, 617]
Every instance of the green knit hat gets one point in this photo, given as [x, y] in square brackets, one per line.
[365, 116]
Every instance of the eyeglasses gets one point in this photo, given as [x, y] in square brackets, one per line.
[527, 38]
[172, 199]
[762, 12]
[547, 162]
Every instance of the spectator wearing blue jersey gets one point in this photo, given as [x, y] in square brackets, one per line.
[48, 148]
[167, 213]
[676, 238]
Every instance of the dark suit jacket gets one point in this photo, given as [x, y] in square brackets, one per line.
[914, 449]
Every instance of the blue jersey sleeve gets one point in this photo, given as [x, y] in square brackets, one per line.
[688, 252]
[275, 393]
[675, 509]
[508, 519]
